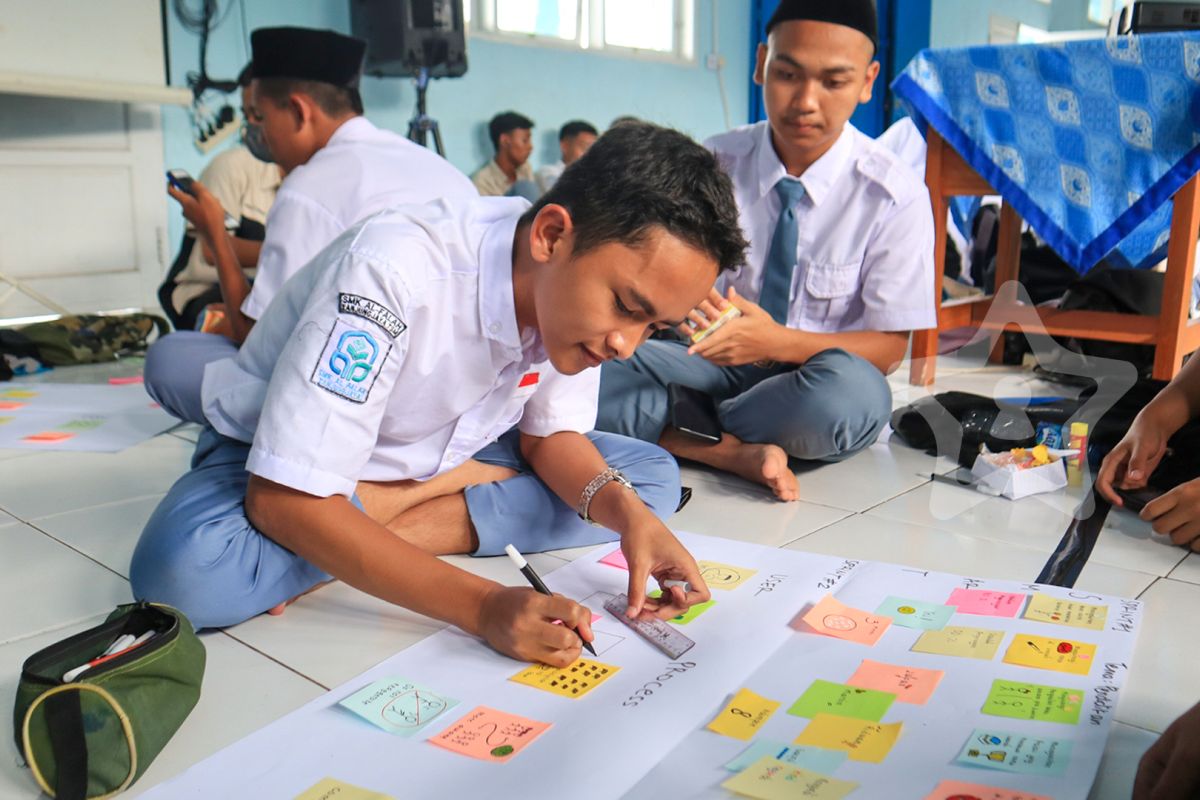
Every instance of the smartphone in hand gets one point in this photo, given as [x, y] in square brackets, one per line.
[181, 180]
[693, 412]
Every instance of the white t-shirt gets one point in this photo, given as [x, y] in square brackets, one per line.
[394, 355]
[359, 171]
[864, 258]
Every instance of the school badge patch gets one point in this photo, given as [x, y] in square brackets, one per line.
[350, 362]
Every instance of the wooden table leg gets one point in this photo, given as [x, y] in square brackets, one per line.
[923, 365]
[1177, 287]
[1008, 271]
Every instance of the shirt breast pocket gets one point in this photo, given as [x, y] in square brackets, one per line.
[827, 292]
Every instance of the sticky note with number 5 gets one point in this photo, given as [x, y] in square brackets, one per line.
[1042, 652]
[744, 715]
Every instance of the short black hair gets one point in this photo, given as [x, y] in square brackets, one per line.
[336, 101]
[638, 177]
[574, 128]
[506, 122]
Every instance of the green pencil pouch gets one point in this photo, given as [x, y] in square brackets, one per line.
[94, 736]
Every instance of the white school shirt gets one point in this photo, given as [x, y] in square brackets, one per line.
[394, 355]
[864, 258]
[359, 171]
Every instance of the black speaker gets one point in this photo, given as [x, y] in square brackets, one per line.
[405, 36]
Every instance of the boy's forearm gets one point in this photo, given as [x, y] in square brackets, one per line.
[884, 349]
[335, 536]
[567, 462]
[234, 285]
[1179, 402]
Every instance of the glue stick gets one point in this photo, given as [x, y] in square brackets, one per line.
[1078, 441]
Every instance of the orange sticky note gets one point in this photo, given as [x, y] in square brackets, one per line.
[833, 618]
[7, 406]
[1043, 652]
[48, 436]
[490, 735]
[958, 790]
[861, 741]
[909, 684]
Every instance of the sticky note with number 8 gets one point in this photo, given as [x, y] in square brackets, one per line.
[745, 714]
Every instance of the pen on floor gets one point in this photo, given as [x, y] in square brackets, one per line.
[536, 583]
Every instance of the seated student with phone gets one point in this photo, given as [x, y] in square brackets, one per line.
[366, 424]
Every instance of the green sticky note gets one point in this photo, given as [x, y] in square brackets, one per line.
[841, 700]
[1032, 701]
[691, 613]
[915, 613]
[82, 424]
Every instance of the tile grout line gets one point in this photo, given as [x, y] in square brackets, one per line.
[275, 660]
[74, 549]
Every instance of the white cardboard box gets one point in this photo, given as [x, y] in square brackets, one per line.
[1013, 483]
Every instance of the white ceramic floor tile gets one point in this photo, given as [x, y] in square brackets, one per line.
[106, 533]
[1162, 678]
[233, 673]
[878, 539]
[1188, 569]
[739, 511]
[1037, 522]
[338, 632]
[47, 585]
[242, 692]
[1124, 749]
[52, 483]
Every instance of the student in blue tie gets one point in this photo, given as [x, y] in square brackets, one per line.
[839, 271]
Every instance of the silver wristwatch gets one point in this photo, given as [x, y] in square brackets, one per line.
[596, 484]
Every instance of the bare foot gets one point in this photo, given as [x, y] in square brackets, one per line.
[767, 464]
[279, 609]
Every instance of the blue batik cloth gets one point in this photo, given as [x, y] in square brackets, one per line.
[1088, 140]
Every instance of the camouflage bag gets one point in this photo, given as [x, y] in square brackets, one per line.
[92, 338]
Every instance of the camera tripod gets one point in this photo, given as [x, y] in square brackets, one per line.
[421, 123]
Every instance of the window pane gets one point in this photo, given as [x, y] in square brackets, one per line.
[556, 18]
[1100, 10]
[467, 8]
[644, 24]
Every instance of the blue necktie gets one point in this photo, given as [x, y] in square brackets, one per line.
[781, 260]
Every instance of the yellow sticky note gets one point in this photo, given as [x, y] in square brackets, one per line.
[330, 789]
[574, 680]
[1044, 608]
[744, 715]
[19, 394]
[861, 741]
[954, 640]
[771, 779]
[1043, 652]
[724, 576]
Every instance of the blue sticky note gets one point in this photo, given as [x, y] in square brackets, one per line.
[1016, 752]
[915, 613]
[817, 759]
[397, 705]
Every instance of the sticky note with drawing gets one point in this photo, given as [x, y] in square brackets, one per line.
[1016, 752]
[743, 715]
[915, 613]
[1033, 701]
[724, 576]
[397, 705]
[909, 684]
[1042, 652]
[490, 735]
[831, 617]
[574, 680]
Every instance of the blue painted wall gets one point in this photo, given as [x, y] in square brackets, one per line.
[550, 85]
[962, 23]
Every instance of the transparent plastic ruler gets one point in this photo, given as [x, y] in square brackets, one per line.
[654, 631]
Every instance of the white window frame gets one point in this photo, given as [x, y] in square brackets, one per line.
[590, 32]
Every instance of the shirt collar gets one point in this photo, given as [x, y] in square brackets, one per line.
[350, 129]
[818, 179]
[497, 308]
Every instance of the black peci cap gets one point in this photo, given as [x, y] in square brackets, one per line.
[857, 14]
[307, 54]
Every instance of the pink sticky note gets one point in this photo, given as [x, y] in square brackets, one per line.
[491, 735]
[909, 684]
[47, 437]
[5, 405]
[985, 603]
[616, 559]
[957, 790]
[833, 618]
[126, 380]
